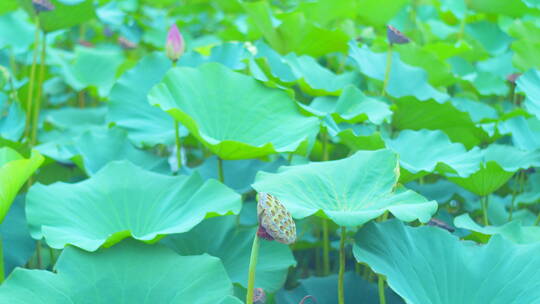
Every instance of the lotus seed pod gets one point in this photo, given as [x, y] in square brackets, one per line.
[175, 43]
[42, 6]
[395, 36]
[275, 220]
[259, 296]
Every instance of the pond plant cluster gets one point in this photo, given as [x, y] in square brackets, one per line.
[235, 151]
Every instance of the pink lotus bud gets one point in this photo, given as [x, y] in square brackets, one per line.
[175, 43]
[259, 296]
[42, 6]
[513, 77]
[395, 36]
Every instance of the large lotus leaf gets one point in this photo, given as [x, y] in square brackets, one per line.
[131, 272]
[220, 237]
[324, 12]
[314, 40]
[512, 231]
[232, 114]
[457, 124]
[129, 108]
[324, 289]
[99, 147]
[16, 31]
[429, 149]
[122, 200]
[525, 132]
[230, 54]
[17, 244]
[492, 38]
[429, 265]
[404, 80]
[361, 137]
[65, 15]
[492, 167]
[238, 174]
[92, 67]
[526, 45]
[14, 171]
[529, 84]
[352, 106]
[350, 191]
[371, 12]
[8, 6]
[12, 124]
[478, 111]
[503, 7]
[438, 70]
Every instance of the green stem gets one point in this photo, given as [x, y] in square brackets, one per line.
[252, 267]
[462, 28]
[519, 185]
[178, 145]
[380, 283]
[324, 139]
[220, 170]
[341, 295]
[38, 255]
[537, 220]
[326, 248]
[39, 88]
[30, 93]
[388, 67]
[484, 202]
[2, 274]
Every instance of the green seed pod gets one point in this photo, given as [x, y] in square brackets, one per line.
[275, 219]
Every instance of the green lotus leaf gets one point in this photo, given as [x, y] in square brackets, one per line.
[512, 231]
[17, 244]
[431, 115]
[122, 200]
[492, 167]
[324, 289]
[230, 54]
[525, 132]
[526, 44]
[371, 12]
[99, 147]
[12, 124]
[238, 174]
[233, 115]
[502, 7]
[220, 237]
[492, 38]
[15, 170]
[350, 191]
[361, 137]
[438, 71]
[65, 15]
[528, 83]
[314, 41]
[429, 265]
[131, 272]
[16, 31]
[128, 105]
[8, 6]
[92, 67]
[325, 12]
[429, 149]
[352, 106]
[478, 111]
[404, 80]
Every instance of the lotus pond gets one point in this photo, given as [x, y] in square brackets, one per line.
[279, 152]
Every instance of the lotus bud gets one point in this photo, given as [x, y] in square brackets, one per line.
[395, 36]
[513, 77]
[175, 43]
[259, 296]
[275, 221]
[42, 6]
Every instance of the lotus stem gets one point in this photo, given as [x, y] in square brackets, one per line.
[252, 269]
[326, 248]
[178, 145]
[484, 202]
[462, 27]
[220, 170]
[38, 255]
[388, 68]
[519, 179]
[341, 274]
[380, 283]
[537, 220]
[324, 139]
[31, 82]
[39, 88]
